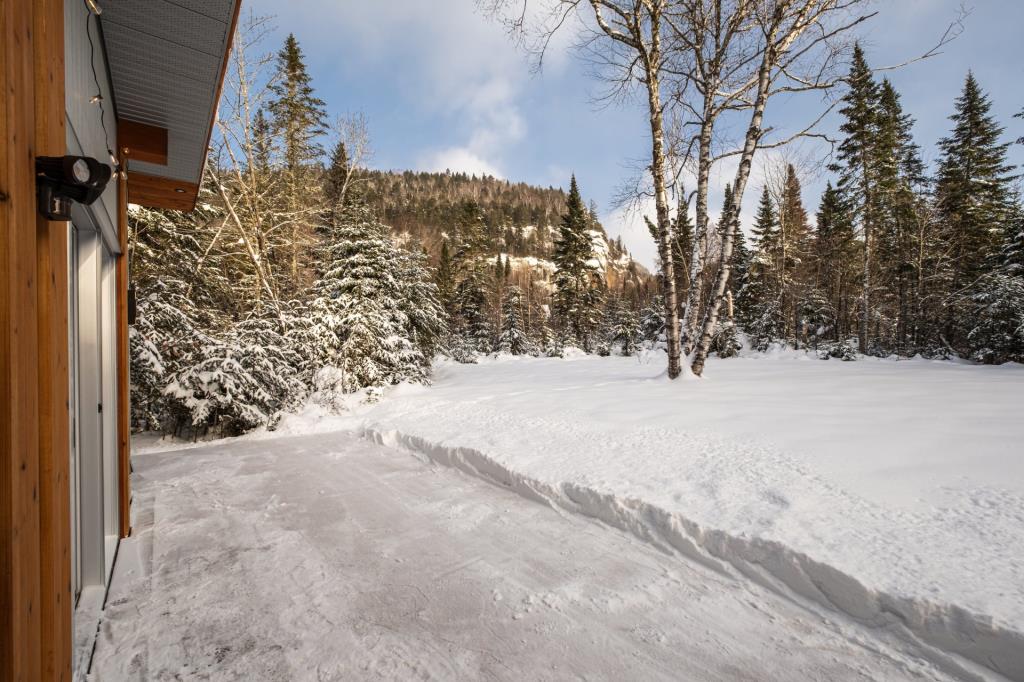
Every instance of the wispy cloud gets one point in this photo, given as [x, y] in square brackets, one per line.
[456, 64]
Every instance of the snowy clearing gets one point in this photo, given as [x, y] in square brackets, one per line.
[892, 492]
[325, 557]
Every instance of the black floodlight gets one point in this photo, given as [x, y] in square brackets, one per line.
[61, 180]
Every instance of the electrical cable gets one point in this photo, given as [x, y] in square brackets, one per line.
[98, 98]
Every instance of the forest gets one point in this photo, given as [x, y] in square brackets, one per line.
[306, 275]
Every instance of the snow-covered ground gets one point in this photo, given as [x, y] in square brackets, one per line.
[326, 557]
[892, 492]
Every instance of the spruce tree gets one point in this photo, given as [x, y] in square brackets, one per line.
[444, 277]
[682, 247]
[627, 332]
[362, 312]
[513, 338]
[974, 187]
[760, 306]
[262, 142]
[793, 256]
[471, 309]
[740, 252]
[900, 180]
[835, 273]
[576, 301]
[337, 180]
[855, 163]
[299, 119]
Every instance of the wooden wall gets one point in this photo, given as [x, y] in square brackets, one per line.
[35, 590]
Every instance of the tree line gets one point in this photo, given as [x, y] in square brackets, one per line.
[898, 261]
[287, 284]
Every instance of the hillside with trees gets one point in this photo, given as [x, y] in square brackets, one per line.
[306, 275]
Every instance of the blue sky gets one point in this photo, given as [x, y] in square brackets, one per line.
[442, 87]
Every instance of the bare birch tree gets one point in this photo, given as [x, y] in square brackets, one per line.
[791, 47]
[628, 35]
[711, 66]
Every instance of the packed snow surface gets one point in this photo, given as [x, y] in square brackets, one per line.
[326, 557]
[890, 491]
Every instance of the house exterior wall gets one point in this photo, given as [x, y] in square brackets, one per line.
[46, 74]
[35, 610]
[85, 131]
[96, 243]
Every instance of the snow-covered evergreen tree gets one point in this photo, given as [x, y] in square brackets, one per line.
[761, 300]
[652, 322]
[856, 164]
[576, 302]
[361, 318]
[626, 334]
[513, 338]
[974, 201]
[299, 119]
[471, 311]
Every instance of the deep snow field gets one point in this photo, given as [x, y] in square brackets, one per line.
[892, 491]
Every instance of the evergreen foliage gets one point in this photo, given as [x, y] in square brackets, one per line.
[577, 297]
[513, 338]
[376, 313]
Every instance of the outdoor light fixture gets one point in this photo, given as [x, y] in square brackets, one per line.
[61, 180]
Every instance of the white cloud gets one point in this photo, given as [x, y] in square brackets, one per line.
[443, 58]
[628, 222]
[458, 159]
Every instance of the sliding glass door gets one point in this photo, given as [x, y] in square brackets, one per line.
[93, 369]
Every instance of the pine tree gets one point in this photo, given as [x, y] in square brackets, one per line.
[682, 247]
[856, 158]
[299, 118]
[1013, 249]
[180, 300]
[576, 301]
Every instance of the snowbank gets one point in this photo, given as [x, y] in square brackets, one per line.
[890, 491]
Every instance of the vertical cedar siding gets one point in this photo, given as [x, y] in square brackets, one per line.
[52, 319]
[35, 608]
[20, 647]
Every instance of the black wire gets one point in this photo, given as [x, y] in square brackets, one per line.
[99, 88]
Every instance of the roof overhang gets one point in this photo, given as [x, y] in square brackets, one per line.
[167, 62]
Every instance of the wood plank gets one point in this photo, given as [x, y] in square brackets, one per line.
[141, 142]
[123, 365]
[55, 633]
[20, 650]
[156, 192]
